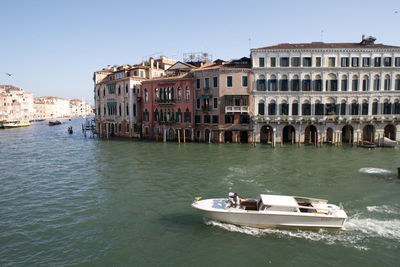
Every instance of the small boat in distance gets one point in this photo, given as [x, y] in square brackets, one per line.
[15, 124]
[52, 123]
[273, 211]
[366, 144]
[70, 131]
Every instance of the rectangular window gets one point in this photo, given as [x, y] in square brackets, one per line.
[366, 61]
[387, 61]
[215, 119]
[229, 81]
[284, 62]
[215, 82]
[355, 61]
[307, 61]
[206, 83]
[197, 83]
[228, 119]
[397, 61]
[245, 119]
[207, 119]
[332, 62]
[295, 61]
[134, 110]
[197, 103]
[244, 81]
[215, 102]
[344, 85]
[261, 62]
[197, 119]
[344, 62]
[273, 62]
[318, 62]
[377, 61]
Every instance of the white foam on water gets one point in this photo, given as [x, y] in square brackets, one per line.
[376, 171]
[374, 228]
[329, 237]
[386, 209]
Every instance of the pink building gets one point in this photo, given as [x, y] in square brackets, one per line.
[167, 108]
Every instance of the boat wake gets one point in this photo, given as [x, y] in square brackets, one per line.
[376, 171]
[355, 232]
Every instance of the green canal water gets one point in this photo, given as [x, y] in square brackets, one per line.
[70, 200]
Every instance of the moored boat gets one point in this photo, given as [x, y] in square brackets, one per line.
[273, 211]
[52, 123]
[366, 144]
[15, 124]
[386, 142]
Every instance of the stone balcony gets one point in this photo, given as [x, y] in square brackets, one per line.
[236, 109]
[319, 119]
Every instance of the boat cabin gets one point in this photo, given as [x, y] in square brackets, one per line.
[282, 203]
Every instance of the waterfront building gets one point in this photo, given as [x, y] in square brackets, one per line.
[223, 106]
[80, 108]
[17, 105]
[167, 105]
[117, 96]
[326, 92]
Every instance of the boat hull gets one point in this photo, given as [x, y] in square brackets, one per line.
[272, 219]
[16, 124]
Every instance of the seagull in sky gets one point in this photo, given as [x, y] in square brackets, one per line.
[9, 74]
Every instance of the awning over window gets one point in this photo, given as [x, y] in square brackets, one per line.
[111, 84]
[205, 97]
[111, 104]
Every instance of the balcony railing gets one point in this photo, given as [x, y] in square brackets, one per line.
[327, 118]
[110, 96]
[236, 109]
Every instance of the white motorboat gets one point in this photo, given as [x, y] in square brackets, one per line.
[273, 211]
[387, 142]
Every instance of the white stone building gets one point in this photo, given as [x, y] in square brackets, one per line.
[326, 92]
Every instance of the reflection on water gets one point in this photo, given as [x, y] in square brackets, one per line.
[67, 200]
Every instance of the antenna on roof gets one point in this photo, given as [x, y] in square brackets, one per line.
[322, 35]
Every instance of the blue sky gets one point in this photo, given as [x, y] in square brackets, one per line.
[53, 47]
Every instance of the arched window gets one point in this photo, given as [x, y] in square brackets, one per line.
[331, 83]
[127, 110]
[343, 108]
[364, 108]
[375, 107]
[396, 109]
[354, 108]
[146, 95]
[261, 83]
[319, 108]
[344, 83]
[365, 83]
[283, 83]
[377, 83]
[119, 110]
[306, 84]
[261, 108]
[156, 115]
[156, 95]
[306, 109]
[284, 108]
[179, 94]
[126, 89]
[295, 108]
[387, 83]
[295, 83]
[98, 91]
[104, 91]
[354, 83]
[272, 108]
[387, 107]
[272, 84]
[187, 94]
[318, 83]
[397, 83]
